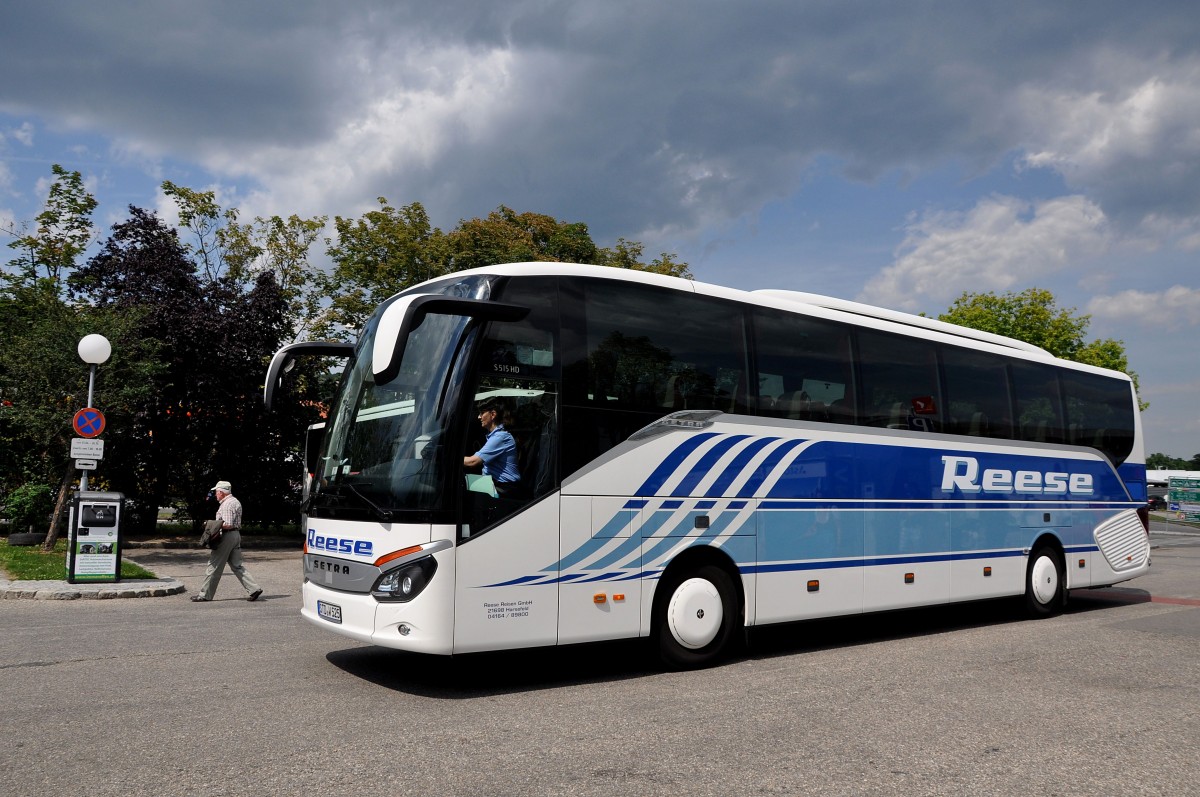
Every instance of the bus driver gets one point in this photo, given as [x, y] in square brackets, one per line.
[499, 453]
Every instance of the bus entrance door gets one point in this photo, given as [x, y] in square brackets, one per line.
[506, 592]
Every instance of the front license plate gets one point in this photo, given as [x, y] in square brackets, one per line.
[329, 611]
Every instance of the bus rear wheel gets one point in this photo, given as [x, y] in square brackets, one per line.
[695, 617]
[1045, 587]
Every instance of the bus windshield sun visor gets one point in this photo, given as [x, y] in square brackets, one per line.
[405, 314]
[285, 358]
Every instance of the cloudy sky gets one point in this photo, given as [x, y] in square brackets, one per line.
[894, 153]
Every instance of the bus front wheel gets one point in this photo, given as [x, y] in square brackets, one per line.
[1044, 583]
[695, 617]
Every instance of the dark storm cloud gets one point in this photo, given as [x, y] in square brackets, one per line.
[630, 116]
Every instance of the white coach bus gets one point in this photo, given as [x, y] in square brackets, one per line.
[697, 460]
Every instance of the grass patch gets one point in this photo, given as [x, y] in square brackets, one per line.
[31, 563]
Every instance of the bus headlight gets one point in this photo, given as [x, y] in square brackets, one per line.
[405, 582]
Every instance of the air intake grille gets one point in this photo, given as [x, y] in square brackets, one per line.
[1123, 541]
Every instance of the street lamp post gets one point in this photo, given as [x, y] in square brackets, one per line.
[93, 350]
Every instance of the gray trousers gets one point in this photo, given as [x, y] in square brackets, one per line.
[228, 550]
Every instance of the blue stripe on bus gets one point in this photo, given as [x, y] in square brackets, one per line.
[731, 473]
[705, 466]
[627, 548]
[671, 463]
[590, 547]
[764, 470]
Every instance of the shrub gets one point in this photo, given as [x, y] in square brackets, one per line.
[27, 505]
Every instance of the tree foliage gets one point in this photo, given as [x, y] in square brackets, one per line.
[62, 230]
[1034, 316]
[1165, 462]
[389, 249]
[202, 418]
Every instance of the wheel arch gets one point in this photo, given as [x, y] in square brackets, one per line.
[694, 557]
[1051, 540]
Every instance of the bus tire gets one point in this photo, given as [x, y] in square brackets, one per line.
[1045, 584]
[695, 617]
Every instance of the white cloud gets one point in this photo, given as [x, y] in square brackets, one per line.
[1176, 306]
[1001, 242]
[402, 136]
[24, 134]
[1130, 137]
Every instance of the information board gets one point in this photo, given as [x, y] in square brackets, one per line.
[1183, 496]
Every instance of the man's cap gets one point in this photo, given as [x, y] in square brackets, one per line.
[224, 487]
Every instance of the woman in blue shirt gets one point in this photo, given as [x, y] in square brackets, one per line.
[498, 456]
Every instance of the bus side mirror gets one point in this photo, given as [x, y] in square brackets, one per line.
[405, 314]
[285, 359]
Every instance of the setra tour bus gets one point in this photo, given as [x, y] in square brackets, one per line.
[695, 461]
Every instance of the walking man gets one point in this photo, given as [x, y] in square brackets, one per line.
[229, 549]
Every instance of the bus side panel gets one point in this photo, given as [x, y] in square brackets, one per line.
[600, 593]
[906, 556]
[501, 600]
[811, 562]
[989, 546]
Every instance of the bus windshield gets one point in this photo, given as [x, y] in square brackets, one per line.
[383, 450]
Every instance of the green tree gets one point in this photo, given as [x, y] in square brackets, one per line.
[40, 375]
[143, 272]
[376, 256]
[390, 249]
[506, 236]
[1164, 462]
[628, 254]
[221, 247]
[282, 247]
[202, 216]
[1035, 317]
[206, 345]
[62, 232]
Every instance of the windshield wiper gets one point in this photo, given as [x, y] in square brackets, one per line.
[380, 513]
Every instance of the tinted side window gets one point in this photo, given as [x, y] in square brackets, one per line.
[662, 350]
[977, 401]
[634, 353]
[899, 382]
[804, 368]
[1039, 408]
[1099, 413]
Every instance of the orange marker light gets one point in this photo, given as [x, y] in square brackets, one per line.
[814, 586]
[396, 555]
[987, 571]
[599, 597]
[910, 578]
[1083, 563]
[620, 596]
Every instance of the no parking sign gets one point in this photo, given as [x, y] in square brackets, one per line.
[88, 422]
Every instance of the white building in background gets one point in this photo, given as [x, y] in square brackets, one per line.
[1158, 478]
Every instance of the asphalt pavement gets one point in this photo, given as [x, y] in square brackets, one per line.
[124, 698]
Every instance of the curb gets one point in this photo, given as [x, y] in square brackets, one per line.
[63, 591]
